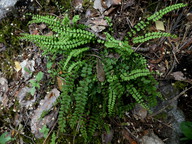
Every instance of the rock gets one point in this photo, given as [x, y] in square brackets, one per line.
[98, 5]
[22, 97]
[5, 6]
[151, 138]
[3, 90]
[174, 116]
[139, 112]
[27, 68]
[37, 122]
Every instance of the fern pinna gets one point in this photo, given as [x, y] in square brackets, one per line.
[90, 95]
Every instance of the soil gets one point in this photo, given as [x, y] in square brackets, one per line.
[166, 56]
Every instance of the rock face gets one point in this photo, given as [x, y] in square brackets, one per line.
[151, 138]
[174, 116]
[5, 6]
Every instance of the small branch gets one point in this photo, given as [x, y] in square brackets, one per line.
[170, 101]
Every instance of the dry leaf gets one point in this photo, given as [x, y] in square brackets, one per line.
[60, 82]
[49, 33]
[100, 71]
[189, 16]
[178, 76]
[78, 5]
[42, 26]
[17, 66]
[97, 24]
[160, 25]
[110, 3]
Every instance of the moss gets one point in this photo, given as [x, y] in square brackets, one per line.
[54, 6]
[161, 116]
[180, 85]
[9, 30]
[87, 3]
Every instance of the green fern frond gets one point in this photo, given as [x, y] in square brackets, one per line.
[74, 53]
[152, 35]
[135, 74]
[53, 138]
[75, 64]
[119, 46]
[135, 94]
[111, 102]
[164, 11]
[86, 102]
[141, 25]
[83, 130]
[48, 19]
[93, 123]
[65, 102]
[81, 95]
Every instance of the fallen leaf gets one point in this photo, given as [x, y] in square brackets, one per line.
[100, 71]
[160, 25]
[151, 138]
[97, 24]
[78, 5]
[189, 16]
[110, 3]
[42, 26]
[49, 33]
[178, 76]
[17, 66]
[60, 82]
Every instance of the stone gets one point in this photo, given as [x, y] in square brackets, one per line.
[5, 6]
[151, 138]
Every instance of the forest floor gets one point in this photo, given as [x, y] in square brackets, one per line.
[170, 58]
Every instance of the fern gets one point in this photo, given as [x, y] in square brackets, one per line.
[86, 103]
[74, 53]
[153, 35]
[83, 130]
[141, 25]
[135, 74]
[65, 101]
[81, 95]
[164, 11]
[53, 138]
[135, 94]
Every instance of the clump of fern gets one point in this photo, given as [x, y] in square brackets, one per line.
[99, 82]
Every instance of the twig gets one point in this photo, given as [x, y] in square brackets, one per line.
[170, 101]
[38, 3]
[44, 142]
[22, 134]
